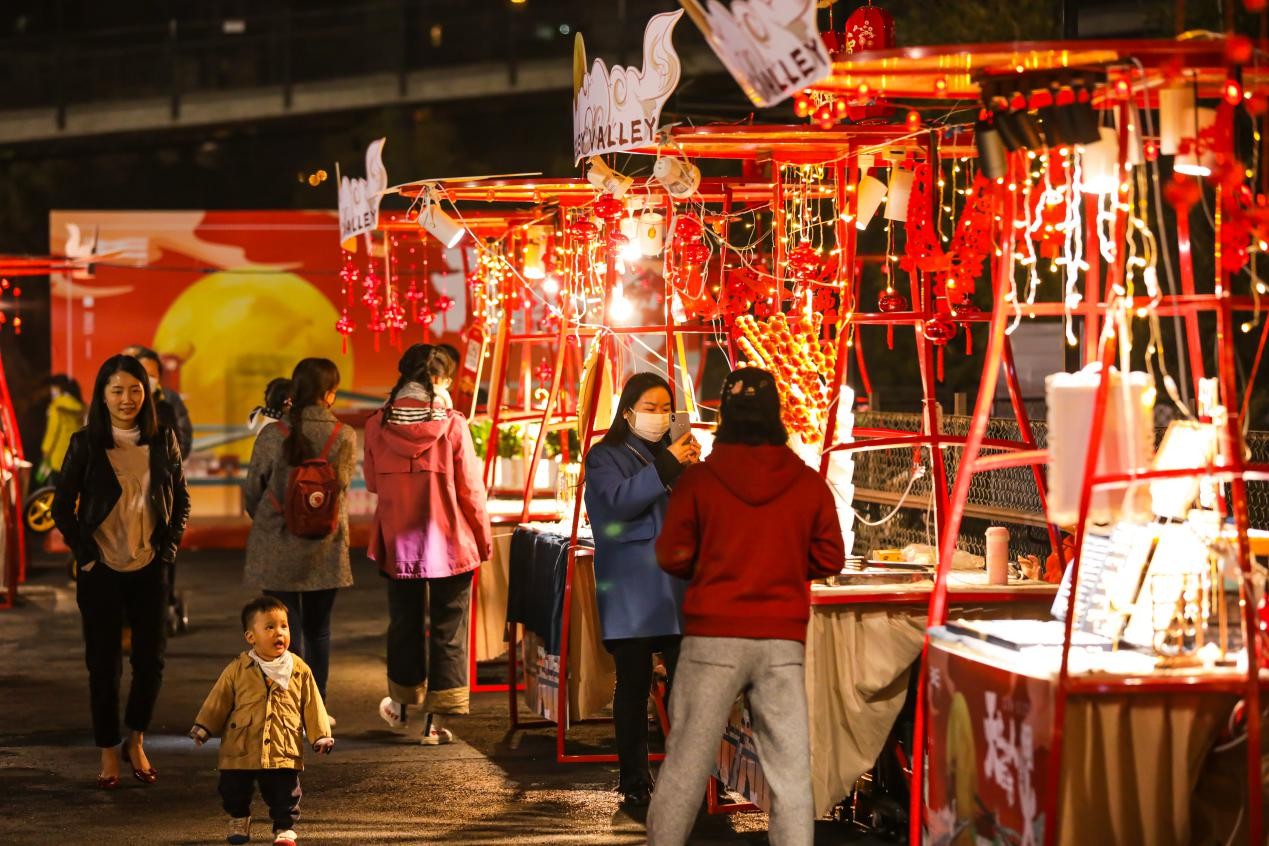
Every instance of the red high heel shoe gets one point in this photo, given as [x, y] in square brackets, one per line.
[107, 782]
[149, 776]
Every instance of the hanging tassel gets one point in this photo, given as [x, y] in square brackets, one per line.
[940, 363]
[890, 336]
[969, 341]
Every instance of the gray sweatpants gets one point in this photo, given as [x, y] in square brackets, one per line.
[712, 671]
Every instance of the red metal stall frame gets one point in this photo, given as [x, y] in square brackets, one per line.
[1233, 469]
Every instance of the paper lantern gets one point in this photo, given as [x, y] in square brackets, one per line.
[871, 191]
[1199, 159]
[869, 28]
[899, 191]
[651, 234]
[1176, 118]
[1127, 442]
[609, 208]
[1100, 164]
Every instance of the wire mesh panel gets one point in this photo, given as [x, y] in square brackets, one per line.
[1006, 497]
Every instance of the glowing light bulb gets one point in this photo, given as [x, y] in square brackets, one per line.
[551, 285]
[620, 309]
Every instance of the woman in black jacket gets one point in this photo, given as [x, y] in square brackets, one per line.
[122, 505]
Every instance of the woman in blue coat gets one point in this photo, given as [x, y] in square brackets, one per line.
[628, 479]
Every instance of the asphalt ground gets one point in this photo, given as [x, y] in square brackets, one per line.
[491, 786]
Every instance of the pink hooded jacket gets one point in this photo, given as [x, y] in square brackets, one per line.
[431, 520]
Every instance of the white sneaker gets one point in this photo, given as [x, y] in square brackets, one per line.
[438, 737]
[239, 830]
[392, 713]
[284, 838]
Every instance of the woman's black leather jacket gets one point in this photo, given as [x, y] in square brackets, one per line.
[88, 489]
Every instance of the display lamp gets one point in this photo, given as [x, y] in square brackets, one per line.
[679, 177]
[871, 192]
[440, 225]
[606, 179]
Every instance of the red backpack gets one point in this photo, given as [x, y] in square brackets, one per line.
[311, 508]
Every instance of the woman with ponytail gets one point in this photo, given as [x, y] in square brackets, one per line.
[303, 572]
[431, 530]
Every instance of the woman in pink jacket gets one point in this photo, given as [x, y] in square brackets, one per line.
[431, 530]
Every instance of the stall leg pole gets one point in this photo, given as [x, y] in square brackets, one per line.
[846, 258]
[1028, 439]
[498, 382]
[956, 509]
[1193, 340]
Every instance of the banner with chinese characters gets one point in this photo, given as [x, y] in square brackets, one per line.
[989, 732]
[619, 108]
[772, 47]
[359, 196]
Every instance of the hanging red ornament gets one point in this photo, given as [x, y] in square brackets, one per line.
[545, 372]
[617, 242]
[869, 28]
[913, 120]
[803, 105]
[584, 230]
[344, 326]
[695, 253]
[804, 261]
[687, 228]
[609, 208]
[939, 329]
[892, 301]
[444, 303]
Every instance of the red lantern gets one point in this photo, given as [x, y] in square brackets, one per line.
[803, 106]
[695, 253]
[584, 230]
[608, 208]
[891, 301]
[939, 329]
[687, 228]
[913, 120]
[444, 303]
[869, 28]
[804, 261]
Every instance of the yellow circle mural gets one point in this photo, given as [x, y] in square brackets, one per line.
[236, 331]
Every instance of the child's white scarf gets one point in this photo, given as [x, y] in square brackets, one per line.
[278, 670]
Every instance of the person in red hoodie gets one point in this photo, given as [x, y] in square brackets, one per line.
[749, 527]
[431, 530]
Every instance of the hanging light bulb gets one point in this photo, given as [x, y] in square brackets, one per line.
[620, 309]
[551, 285]
[871, 192]
[680, 178]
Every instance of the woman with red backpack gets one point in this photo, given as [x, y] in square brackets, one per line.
[431, 530]
[296, 493]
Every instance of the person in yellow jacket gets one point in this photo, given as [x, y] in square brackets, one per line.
[65, 418]
[263, 706]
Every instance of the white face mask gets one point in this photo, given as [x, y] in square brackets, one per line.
[649, 426]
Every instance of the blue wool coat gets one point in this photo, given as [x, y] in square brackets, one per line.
[626, 502]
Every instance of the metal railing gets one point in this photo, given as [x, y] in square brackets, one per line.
[284, 44]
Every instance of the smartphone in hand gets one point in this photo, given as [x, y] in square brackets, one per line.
[680, 425]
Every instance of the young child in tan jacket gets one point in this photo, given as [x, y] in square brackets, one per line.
[263, 706]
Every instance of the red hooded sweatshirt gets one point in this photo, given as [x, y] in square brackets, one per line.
[750, 527]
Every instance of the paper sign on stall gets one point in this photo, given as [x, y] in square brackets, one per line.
[359, 198]
[619, 108]
[772, 47]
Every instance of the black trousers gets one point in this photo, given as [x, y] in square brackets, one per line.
[428, 637]
[633, 657]
[280, 790]
[308, 613]
[107, 598]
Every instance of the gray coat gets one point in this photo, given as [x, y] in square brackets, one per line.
[277, 559]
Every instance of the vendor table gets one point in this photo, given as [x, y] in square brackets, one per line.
[861, 643]
[1131, 760]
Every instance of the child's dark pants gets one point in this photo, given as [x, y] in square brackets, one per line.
[280, 790]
